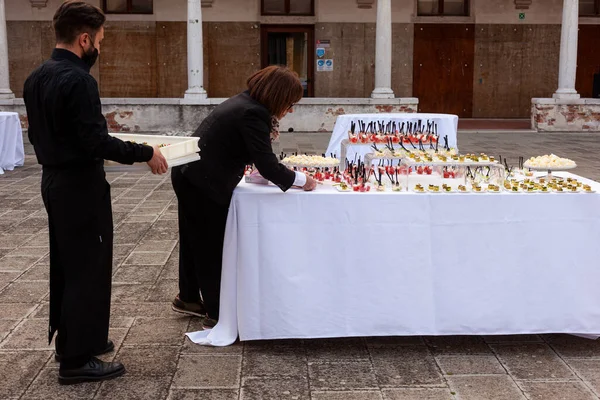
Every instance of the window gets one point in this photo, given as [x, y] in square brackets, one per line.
[443, 7]
[128, 6]
[288, 7]
[589, 8]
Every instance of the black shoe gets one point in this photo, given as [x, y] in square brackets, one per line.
[110, 346]
[195, 309]
[93, 371]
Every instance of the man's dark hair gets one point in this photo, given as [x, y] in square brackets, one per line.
[74, 18]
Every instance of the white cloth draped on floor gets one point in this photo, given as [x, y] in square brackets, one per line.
[12, 153]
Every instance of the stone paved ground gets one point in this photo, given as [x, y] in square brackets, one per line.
[161, 363]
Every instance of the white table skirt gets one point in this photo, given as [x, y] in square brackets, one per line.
[447, 125]
[12, 153]
[330, 264]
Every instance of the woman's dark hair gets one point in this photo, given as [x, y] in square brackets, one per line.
[276, 88]
[74, 18]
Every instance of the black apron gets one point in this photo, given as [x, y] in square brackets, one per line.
[78, 203]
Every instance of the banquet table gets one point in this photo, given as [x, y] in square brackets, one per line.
[12, 153]
[447, 125]
[333, 264]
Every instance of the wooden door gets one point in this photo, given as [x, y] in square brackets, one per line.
[291, 45]
[588, 59]
[443, 68]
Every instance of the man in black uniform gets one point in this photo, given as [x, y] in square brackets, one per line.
[70, 138]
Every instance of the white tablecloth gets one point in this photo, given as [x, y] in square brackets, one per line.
[447, 125]
[12, 153]
[330, 264]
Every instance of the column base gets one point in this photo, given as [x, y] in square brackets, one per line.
[382, 93]
[6, 94]
[195, 94]
[566, 94]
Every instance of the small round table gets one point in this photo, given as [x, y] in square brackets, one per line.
[12, 153]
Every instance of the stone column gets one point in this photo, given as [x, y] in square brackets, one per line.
[568, 51]
[383, 52]
[195, 52]
[5, 92]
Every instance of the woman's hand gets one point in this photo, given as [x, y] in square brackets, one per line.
[310, 185]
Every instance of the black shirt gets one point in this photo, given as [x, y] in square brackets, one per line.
[234, 134]
[66, 124]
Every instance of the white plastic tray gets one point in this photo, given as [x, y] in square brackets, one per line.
[178, 146]
[180, 150]
[110, 166]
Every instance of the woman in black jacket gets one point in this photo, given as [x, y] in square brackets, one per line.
[237, 133]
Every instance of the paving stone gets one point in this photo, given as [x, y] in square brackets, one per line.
[137, 258]
[42, 311]
[149, 361]
[354, 395]
[139, 274]
[588, 371]
[204, 394]
[385, 341]
[17, 263]
[457, 345]
[164, 290]
[258, 365]
[156, 245]
[134, 388]
[162, 234]
[46, 386]
[171, 269]
[208, 372]
[12, 241]
[342, 375]
[157, 331]
[121, 322]
[276, 347]
[574, 346]
[16, 310]
[494, 339]
[27, 251]
[127, 293]
[143, 309]
[39, 272]
[31, 334]
[470, 365]
[418, 394]
[532, 361]
[280, 388]
[6, 278]
[6, 326]
[24, 292]
[557, 391]
[405, 366]
[18, 370]
[344, 349]
[40, 240]
[141, 218]
[495, 387]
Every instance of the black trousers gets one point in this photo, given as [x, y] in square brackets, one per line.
[201, 234]
[79, 211]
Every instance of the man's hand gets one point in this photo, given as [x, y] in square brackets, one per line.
[310, 185]
[158, 163]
